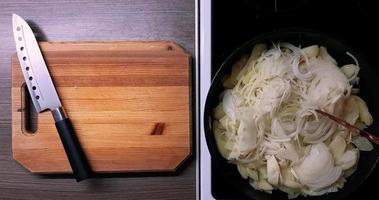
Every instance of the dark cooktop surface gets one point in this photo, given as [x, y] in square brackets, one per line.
[235, 22]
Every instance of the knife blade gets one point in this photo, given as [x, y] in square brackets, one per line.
[45, 97]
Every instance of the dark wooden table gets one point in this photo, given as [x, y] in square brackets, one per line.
[73, 20]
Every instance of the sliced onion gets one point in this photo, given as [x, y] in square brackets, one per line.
[267, 125]
[229, 104]
[273, 170]
[317, 169]
[348, 159]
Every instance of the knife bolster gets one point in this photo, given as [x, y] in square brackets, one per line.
[59, 114]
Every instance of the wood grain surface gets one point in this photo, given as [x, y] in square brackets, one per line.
[114, 93]
[91, 20]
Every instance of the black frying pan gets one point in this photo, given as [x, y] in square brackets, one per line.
[337, 48]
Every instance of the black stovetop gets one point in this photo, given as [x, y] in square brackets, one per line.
[235, 22]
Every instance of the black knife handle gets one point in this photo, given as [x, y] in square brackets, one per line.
[74, 152]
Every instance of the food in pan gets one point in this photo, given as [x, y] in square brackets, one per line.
[267, 125]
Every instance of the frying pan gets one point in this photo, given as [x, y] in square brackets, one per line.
[337, 49]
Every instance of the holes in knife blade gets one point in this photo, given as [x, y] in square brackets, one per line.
[19, 38]
[27, 68]
[24, 58]
[34, 87]
[37, 97]
[21, 48]
[30, 78]
[18, 28]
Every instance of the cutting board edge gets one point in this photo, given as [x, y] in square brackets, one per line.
[176, 168]
[52, 44]
[132, 45]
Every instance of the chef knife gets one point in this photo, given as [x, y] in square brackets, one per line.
[44, 95]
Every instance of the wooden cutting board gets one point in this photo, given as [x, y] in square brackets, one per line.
[129, 103]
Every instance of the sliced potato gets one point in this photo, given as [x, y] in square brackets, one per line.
[217, 128]
[218, 112]
[273, 171]
[255, 54]
[364, 114]
[246, 137]
[342, 132]
[288, 153]
[224, 121]
[253, 174]
[323, 54]
[340, 182]
[351, 110]
[247, 172]
[231, 80]
[287, 178]
[247, 76]
[311, 51]
[256, 164]
[337, 146]
[262, 172]
[223, 145]
[242, 170]
[261, 184]
[292, 192]
[348, 159]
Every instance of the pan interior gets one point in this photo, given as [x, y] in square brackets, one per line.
[303, 38]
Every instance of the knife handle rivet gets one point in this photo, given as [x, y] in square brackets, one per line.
[27, 68]
[37, 97]
[18, 28]
[34, 87]
[30, 78]
[24, 58]
[19, 38]
[22, 48]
